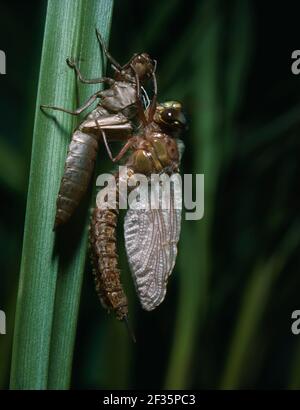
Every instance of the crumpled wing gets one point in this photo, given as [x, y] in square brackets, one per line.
[151, 238]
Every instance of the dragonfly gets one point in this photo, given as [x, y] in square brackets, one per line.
[114, 118]
[151, 235]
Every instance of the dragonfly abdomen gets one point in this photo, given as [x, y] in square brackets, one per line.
[77, 175]
[105, 261]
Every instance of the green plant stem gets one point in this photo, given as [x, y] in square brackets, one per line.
[65, 22]
[95, 14]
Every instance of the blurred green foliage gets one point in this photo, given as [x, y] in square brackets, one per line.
[226, 319]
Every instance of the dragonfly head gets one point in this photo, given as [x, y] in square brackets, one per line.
[170, 115]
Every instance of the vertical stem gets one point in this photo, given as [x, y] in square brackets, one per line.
[40, 259]
[95, 14]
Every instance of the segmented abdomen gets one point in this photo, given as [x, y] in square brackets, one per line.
[105, 261]
[79, 168]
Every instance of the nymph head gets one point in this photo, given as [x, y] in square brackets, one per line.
[143, 66]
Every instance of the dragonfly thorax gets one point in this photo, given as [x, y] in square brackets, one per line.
[154, 154]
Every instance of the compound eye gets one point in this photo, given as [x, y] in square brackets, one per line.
[168, 115]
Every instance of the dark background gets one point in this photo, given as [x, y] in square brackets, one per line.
[227, 315]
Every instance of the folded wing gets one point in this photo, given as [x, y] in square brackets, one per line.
[151, 237]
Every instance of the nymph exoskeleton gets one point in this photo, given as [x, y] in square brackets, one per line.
[114, 118]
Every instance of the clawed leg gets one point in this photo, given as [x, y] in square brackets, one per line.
[110, 58]
[79, 110]
[106, 143]
[123, 151]
[72, 64]
[138, 99]
[106, 52]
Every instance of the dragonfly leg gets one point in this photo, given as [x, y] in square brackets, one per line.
[79, 110]
[110, 58]
[106, 52]
[72, 64]
[138, 99]
[106, 143]
[122, 152]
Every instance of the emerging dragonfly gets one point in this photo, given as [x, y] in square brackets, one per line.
[115, 117]
[151, 235]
